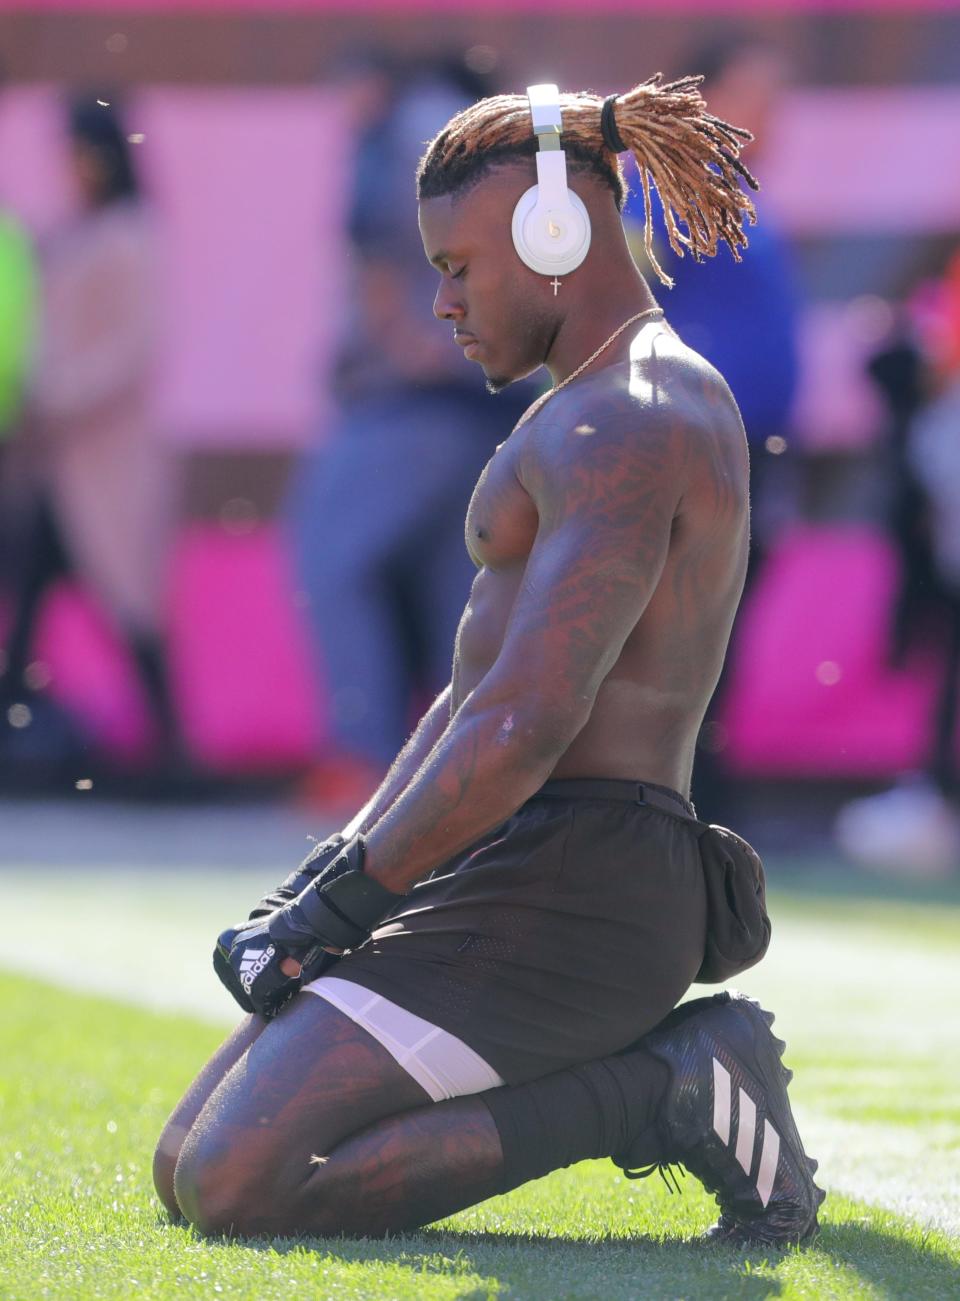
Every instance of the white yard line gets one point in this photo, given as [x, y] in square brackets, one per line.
[133, 896]
[143, 938]
[910, 1170]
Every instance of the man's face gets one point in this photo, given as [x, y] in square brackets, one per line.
[500, 309]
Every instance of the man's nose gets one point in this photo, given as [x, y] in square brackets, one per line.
[446, 306]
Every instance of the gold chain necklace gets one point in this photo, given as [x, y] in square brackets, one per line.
[535, 407]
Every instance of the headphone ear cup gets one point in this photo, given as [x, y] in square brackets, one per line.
[551, 241]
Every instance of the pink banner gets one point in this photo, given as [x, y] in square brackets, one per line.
[867, 160]
[670, 7]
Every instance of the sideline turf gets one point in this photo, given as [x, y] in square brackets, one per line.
[86, 1084]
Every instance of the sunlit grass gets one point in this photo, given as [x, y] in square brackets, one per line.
[85, 1085]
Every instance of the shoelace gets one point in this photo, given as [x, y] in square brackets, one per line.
[667, 1171]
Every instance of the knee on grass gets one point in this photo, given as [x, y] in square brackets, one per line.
[164, 1164]
[225, 1195]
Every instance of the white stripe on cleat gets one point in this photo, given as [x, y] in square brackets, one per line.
[721, 1101]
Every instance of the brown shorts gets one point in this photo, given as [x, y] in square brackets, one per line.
[561, 936]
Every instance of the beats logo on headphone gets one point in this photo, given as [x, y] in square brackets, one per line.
[551, 228]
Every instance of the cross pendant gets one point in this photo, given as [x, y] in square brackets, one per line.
[556, 285]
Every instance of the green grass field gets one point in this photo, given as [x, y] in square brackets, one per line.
[863, 979]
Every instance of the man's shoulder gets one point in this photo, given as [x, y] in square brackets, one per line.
[665, 421]
[597, 436]
[661, 396]
[668, 378]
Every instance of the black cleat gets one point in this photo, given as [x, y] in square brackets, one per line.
[727, 1119]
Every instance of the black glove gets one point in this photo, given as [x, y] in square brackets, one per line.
[337, 909]
[233, 975]
[314, 963]
[308, 871]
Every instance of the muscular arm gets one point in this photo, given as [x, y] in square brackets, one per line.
[605, 503]
[402, 772]
[406, 765]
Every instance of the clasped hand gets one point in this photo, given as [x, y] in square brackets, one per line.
[327, 906]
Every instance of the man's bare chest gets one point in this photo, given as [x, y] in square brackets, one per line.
[501, 518]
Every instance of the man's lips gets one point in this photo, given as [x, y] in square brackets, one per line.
[465, 340]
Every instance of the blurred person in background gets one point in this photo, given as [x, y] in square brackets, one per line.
[743, 317]
[18, 303]
[95, 471]
[914, 827]
[376, 512]
[18, 308]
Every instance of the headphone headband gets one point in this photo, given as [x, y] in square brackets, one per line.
[546, 114]
[551, 229]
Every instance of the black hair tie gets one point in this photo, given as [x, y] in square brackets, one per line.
[608, 127]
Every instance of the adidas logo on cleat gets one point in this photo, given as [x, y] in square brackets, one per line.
[745, 1134]
[252, 963]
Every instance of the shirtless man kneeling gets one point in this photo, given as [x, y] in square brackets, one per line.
[522, 902]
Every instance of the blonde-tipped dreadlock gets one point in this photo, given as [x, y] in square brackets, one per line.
[692, 157]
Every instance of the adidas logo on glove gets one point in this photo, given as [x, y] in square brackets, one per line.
[252, 963]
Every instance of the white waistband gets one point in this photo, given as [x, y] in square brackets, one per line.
[441, 1063]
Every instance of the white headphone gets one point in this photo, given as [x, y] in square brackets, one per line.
[551, 228]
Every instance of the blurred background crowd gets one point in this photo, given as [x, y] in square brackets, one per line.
[236, 448]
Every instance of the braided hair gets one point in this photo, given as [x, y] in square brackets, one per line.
[690, 156]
